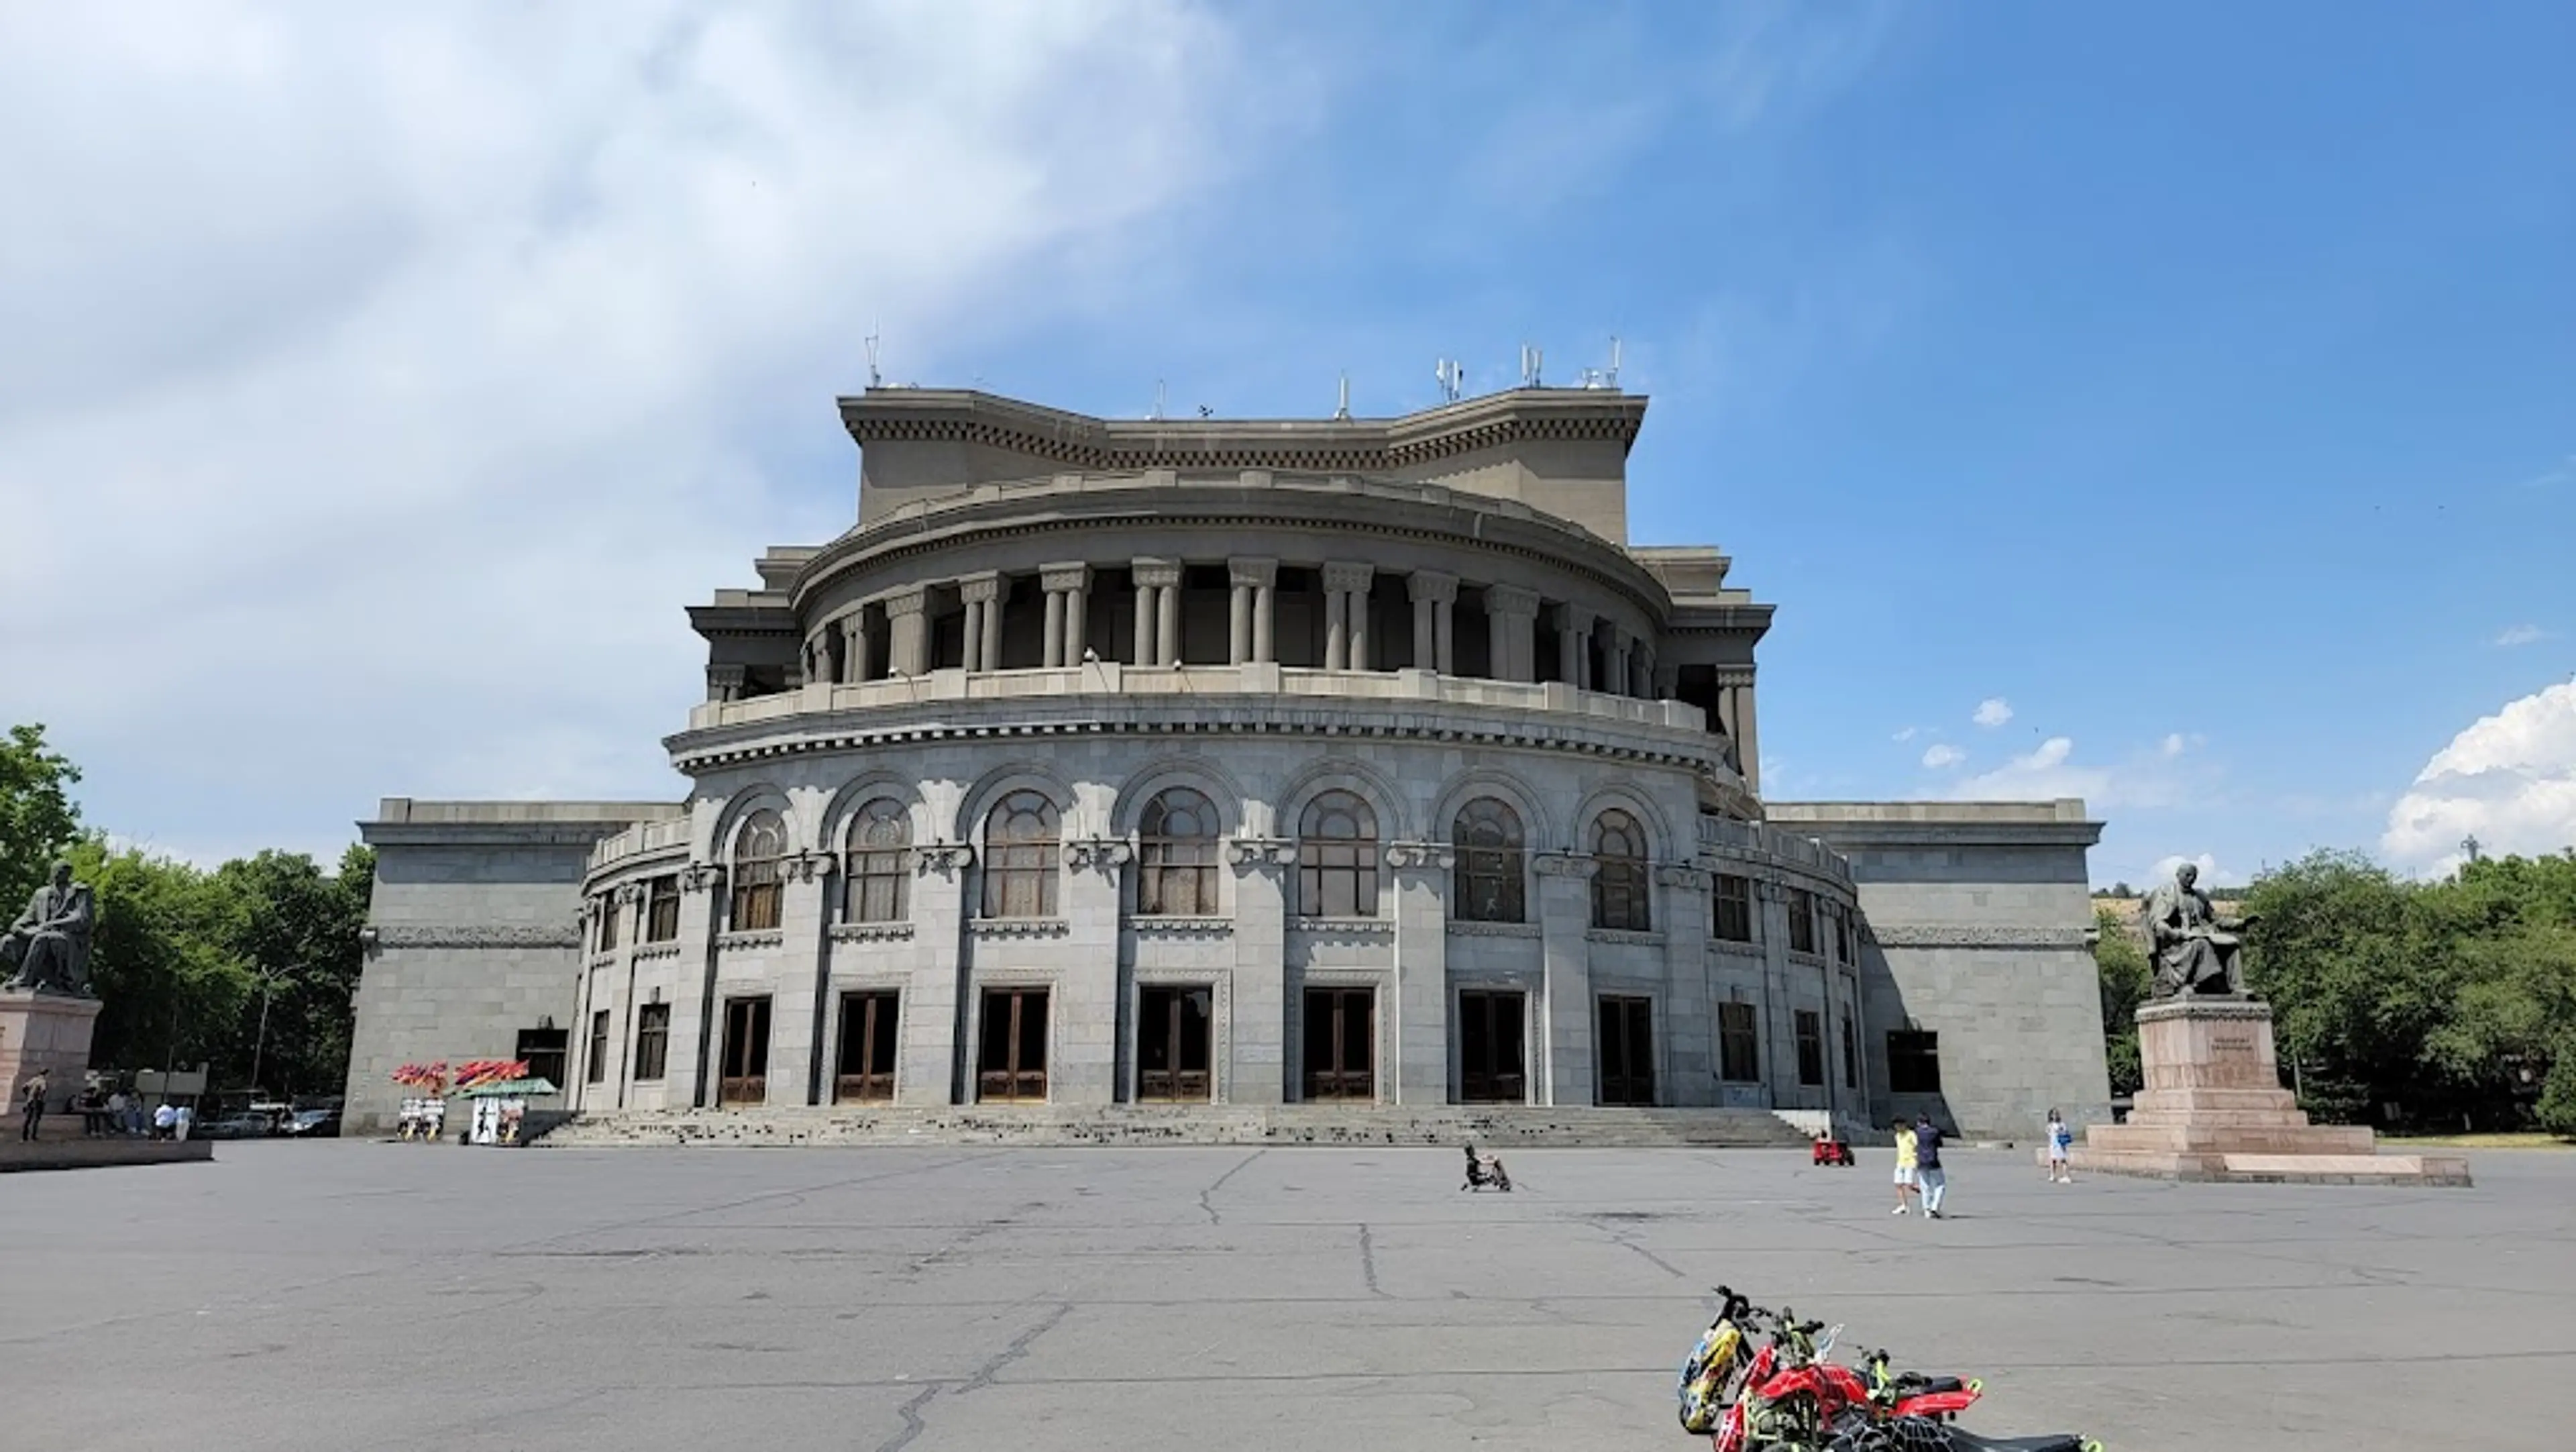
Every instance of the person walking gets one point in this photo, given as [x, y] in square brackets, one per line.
[165, 1118]
[31, 1106]
[2061, 1140]
[1904, 1165]
[1928, 1174]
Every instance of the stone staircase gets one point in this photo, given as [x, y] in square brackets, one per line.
[1133, 1125]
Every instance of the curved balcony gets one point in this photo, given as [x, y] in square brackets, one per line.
[1777, 847]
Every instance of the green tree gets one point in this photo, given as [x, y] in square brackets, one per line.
[170, 986]
[38, 821]
[297, 930]
[2121, 959]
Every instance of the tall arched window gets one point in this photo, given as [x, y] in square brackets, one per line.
[1176, 850]
[1619, 896]
[880, 863]
[1020, 842]
[1492, 876]
[1337, 858]
[757, 851]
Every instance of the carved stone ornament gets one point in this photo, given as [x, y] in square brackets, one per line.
[807, 866]
[1420, 856]
[1349, 577]
[1677, 875]
[476, 935]
[1946, 935]
[1248, 853]
[701, 876]
[1098, 854]
[946, 859]
[1564, 864]
[630, 893]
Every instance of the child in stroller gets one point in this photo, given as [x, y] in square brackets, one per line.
[1484, 1171]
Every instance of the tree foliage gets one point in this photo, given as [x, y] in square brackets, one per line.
[38, 821]
[2121, 958]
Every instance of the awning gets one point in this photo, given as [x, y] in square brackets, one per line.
[509, 1089]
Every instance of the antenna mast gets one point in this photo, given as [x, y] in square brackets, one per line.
[1158, 398]
[1532, 359]
[1452, 376]
[875, 379]
[1342, 410]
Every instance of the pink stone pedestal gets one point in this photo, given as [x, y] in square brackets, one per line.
[44, 1031]
[2213, 1109]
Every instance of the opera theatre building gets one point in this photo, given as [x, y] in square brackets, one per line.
[1238, 763]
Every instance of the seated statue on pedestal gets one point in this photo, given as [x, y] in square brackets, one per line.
[49, 944]
[2193, 948]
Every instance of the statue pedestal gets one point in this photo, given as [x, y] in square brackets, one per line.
[2213, 1109]
[48, 1032]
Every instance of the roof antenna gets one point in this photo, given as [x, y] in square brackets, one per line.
[1343, 409]
[1532, 359]
[1452, 378]
[875, 379]
[1158, 398]
[1614, 360]
[1206, 412]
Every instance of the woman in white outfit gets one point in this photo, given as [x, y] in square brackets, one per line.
[2060, 1140]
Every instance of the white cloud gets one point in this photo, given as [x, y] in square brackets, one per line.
[1993, 711]
[2148, 778]
[2172, 745]
[2509, 780]
[1942, 754]
[1907, 734]
[2210, 875]
[2521, 635]
[381, 384]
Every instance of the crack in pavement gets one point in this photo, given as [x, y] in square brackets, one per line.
[914, 1424]
[1213, 1217]
[1368, 1260]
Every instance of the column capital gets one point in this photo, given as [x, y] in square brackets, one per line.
[907, 602]
[1571, 616]
[1683, 875]
[1249, 853]
[1254, 573]
[1098, 854]
[1511, 600]
[1157, 574]
[1064, 577]
[981, 589]
[942, 859]
[1349, 576]
[1433, 586]
[1420, 856]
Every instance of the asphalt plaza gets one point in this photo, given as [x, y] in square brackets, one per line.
[328, 1296]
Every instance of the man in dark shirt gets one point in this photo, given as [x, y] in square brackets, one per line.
[1934, 1180]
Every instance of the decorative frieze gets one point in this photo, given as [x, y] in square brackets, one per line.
[655, 952]
[747, 941]
[1623, 937]
[1017, 927]
[1459, 929]
[1350, 578]
[1950, 935]
[1183, 927]
[1347, 929]
[872, 932]
[473, 935]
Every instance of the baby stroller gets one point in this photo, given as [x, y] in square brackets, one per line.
[1486, 1172]
[1828, 1150]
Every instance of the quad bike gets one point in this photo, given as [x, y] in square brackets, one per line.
[1486, 1172]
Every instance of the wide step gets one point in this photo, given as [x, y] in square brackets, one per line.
[1133, 1125]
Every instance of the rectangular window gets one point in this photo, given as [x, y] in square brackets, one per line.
[1845, 941]
[543, 1051]
[662, 911]
[1734, 908]
[609, 911]
[652, 1040]
[599, 1047]
[1739, 1044]
[1913, 1062]
[1811, 1046]
[1851, 1053]
[1802, 920]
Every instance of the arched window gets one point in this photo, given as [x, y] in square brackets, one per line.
[1619, 897]
[1176, 850]
[757, 851]
[1020, 842]
[1337, 858]
[880, 863]
[1491, 880]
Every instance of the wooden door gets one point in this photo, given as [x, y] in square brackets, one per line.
[1341, 1043]
[745, 1076]
[1625, 1051]
[1172, 1044]
[1012, 1065]
[1493, 1053]
[865, 1070]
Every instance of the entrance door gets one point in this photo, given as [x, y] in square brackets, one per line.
[1341, 1043]
[1626, 1050]
[866, 1065]
[1172, 1043]
[1012, 1067]
[1493, 1063]
[745, 1079]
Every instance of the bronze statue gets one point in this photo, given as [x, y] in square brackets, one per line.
[2194, 949]
[49, 944]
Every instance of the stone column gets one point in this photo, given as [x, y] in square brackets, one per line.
[934, 1057]
[1779, 1030]
[1668, 683]
[724, 683]
[1083, 1065]
[1514, 612]
[1064, 586]
[1158, 584]
[691, 1063]
[1337, 630]
[1565, 994]
[1687, 1021]
[1574, 644]
[1435, 598]
[1622, 656]
[1258, 1024]
[1346, 588]
[798, 1016]
[1167, 619]
[1077, 619]
[1420, 1073]
[983, 594]
[855, 646]
[1054, 629]
[1749, 743]
[1252, 579]
[908, 628]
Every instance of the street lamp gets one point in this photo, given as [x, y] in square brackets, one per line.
[268, 983]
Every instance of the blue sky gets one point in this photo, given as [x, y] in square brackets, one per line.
[2196, 382]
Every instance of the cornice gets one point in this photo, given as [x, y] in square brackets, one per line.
[872, 932]
[1463, 928]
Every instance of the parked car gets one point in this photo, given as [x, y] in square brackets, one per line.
[233, 1126]
[312, 1124]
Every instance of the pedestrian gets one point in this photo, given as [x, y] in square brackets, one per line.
[31, 1106]
[1904, 1165]
[1927, 1165]
[116, 1123]
[187, 1115]
[2060, 1140]
[165, 1118]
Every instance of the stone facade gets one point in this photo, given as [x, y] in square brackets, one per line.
[1239, 764]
